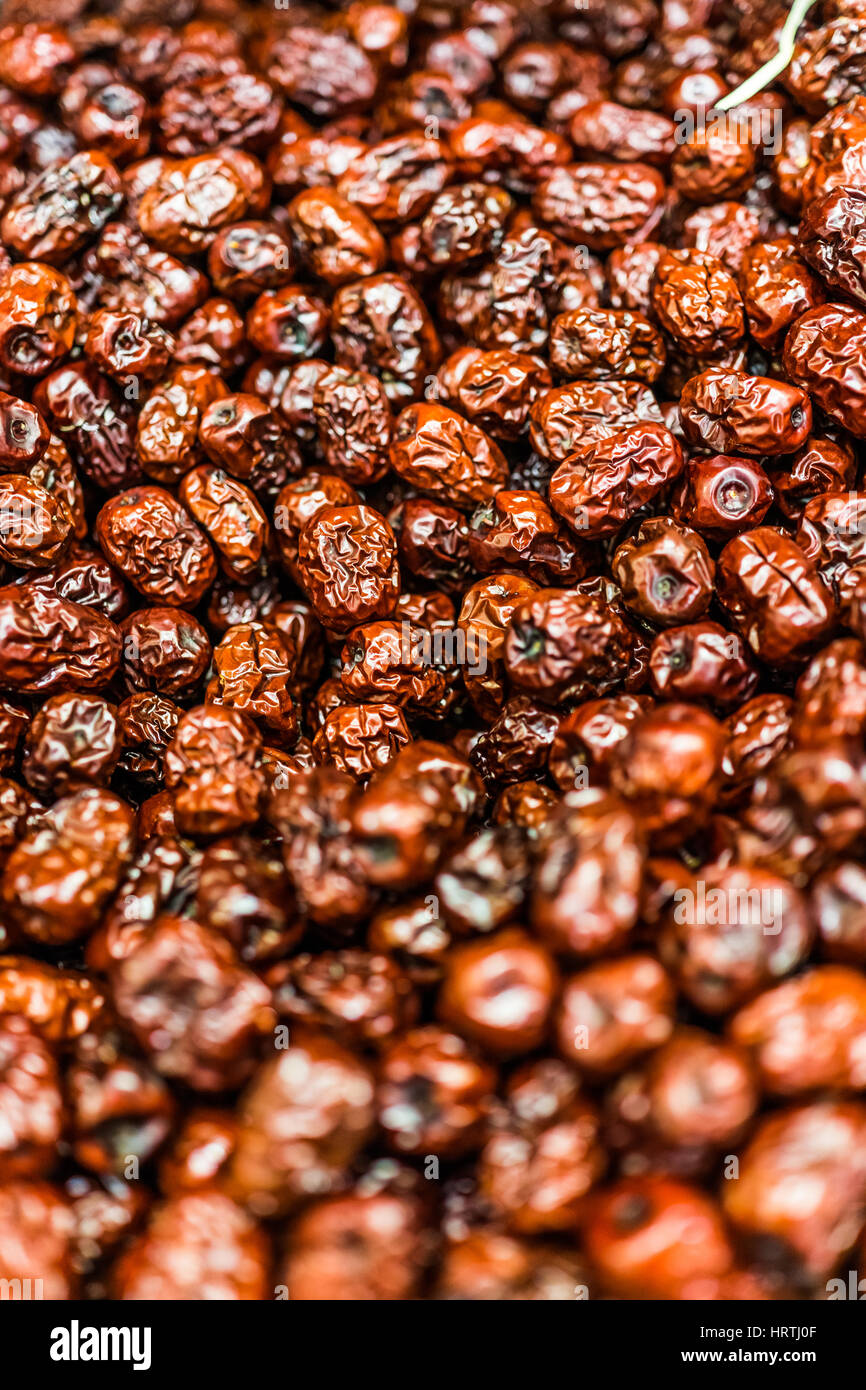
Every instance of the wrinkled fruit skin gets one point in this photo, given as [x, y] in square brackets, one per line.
[432, 652]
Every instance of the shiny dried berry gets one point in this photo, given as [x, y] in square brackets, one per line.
[347, 560]
[304, 1116]
[197, 1245]
[62, 209]
[59, 878]
[822, 350]
[338, 241]
[211, 767]
[353, 422]
[48, 643]
[730, 412]
[602, 344]
[696, 300]
[777, 288]
[73, 738]
[604, 483]
[774, 594]
[499, 992]
[31, 1105]
[665, 572]
[230, 516]
[600, 205]
[38, 318]
[208, 1041]
[439, 452]
[253, 673]
[192, 199]
[563, 645]
[165, 650]
[157, 546]
[381, 325]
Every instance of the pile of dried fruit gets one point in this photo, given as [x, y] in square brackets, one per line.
[432, 667]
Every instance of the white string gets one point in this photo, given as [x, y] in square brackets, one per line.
[776, 65]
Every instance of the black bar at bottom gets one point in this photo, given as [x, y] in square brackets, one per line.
[253, 1342]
